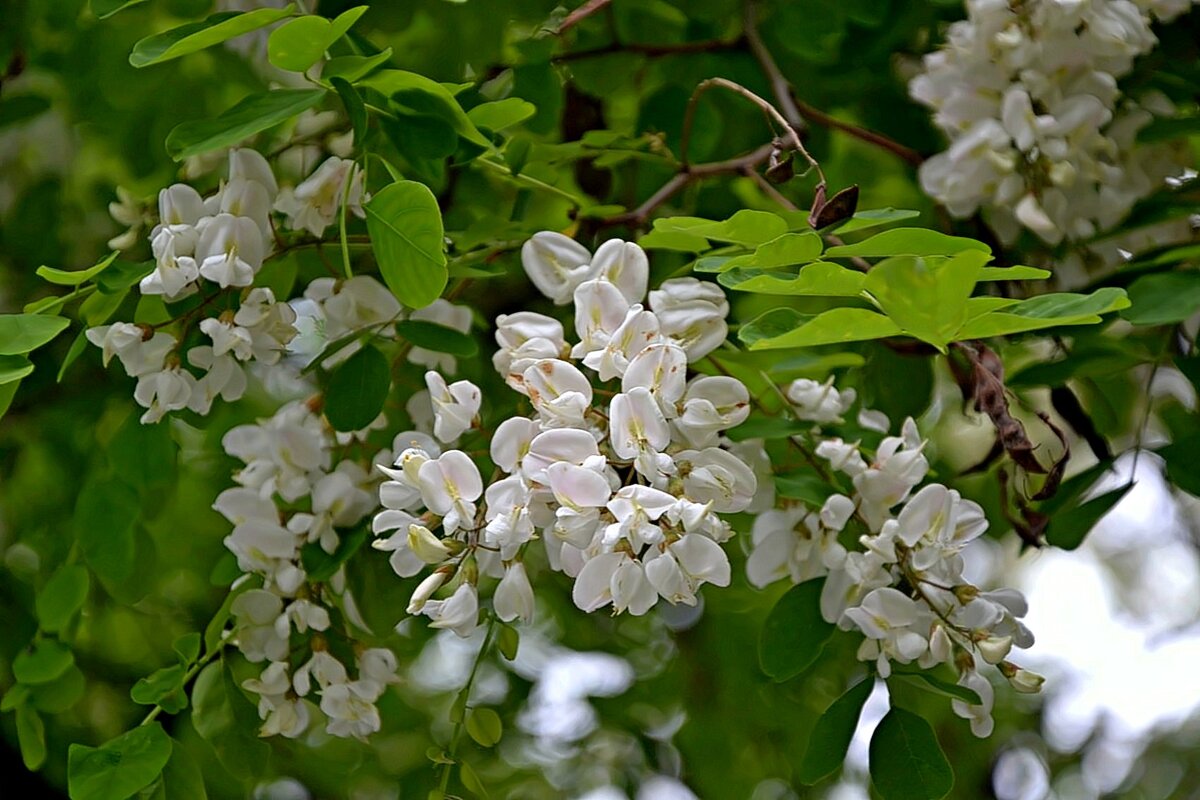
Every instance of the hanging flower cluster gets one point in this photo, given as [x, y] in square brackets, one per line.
[624, 485]
[216, 246]
[904, 590]
[1041, 136]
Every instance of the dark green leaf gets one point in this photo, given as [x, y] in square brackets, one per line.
[187, 647]
[794, 632]
[103, 9]
[438, 338]
[761, 426]
[320, 566]
[906, 761]
[356, 110]
[182, 778]
[873, 218]
[357, 390]
[352, 68]
[833, 732]
[60, 694]
[1164, 298]
[163, 687]
[434, 97]
[805, 486]
[406, 235]
[251, 115]
[120, 767]
[13, 369]
[18, 108]
[223, 717]
[105, 514]
[62, 596]
[198, 35]
[932, 683]
[1067, 529]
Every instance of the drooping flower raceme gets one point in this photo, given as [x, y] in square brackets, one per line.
[1041, 136]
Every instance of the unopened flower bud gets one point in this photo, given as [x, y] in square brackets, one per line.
[425, 591]
[1022, 680]
[425, 545]
[965, 593]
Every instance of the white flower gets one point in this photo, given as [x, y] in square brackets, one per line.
[625, 265]
[228, 338]
[570, 445]
[229, 250]
[560, 393]
[160, 392]
[684, 565]
[180, 204]
[661, 368]
[556, 265]
[890, 620]
[600, 308]
[514, 595]
[638, 331]
[313, 205]
[425, 545]
[425, 590]
[980, 716]
[248, 164]
[638, 430]
[525, 337]
[511, 442]
[450, 485]
[271, 325]
[614, 578]
[712, 404]
[223, 378]
[459, 612]
[175, 268]
[348, 712]
[454, 407]
[140, 350]
[820, 403]
[716, 476]
[354, 304]
[256, 612]
[692, 314]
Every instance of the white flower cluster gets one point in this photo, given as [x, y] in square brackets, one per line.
[221, 241]
[288, 456]
[1041, 136]
[625, 492]
[905, 590]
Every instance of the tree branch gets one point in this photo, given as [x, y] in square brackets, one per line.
[650, 50]
[580, 14]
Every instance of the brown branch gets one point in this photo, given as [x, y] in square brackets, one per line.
[688, 174]
[797, 111]
[580, 14]
[650, 50]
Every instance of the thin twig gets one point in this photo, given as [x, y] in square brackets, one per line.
[580, 14]
[650, 50]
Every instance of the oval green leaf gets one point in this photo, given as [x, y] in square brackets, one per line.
[907, 242]
[438, 338]
[795, 632]
[357, 390]
[250, 116]
[120, 767]
[198, 35]
[20, 333]
[405, 224]
[906, 761]
[832, 734]
[62, 596]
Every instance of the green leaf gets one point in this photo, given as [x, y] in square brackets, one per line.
[438, 338]
[352, 68]
[1067, 529]
[60, 694]
[805, 486]
[356, 110]
[14, 368]
[788, 249]
[163, 687]
[873, 218]
[761, 426]
[357, 390]
[771, 324]
[832, 734]
[62, 596]
[932, 683]
[223, 717]
[507, 641]
[31, 736]
[835, 326]
[466, 774]
[105, 514]
[1164, 298]
[120, 767]
[747, 227]
[198, 35]
[20, 333]
[906, 761]
[42, 662]
[121, 276]
[18, 108]
[249, 116]
[820, 278]
[103, 9]
[62, 277]
[484, 726]
[299, 43]
[795, 632]
[187, 647]
[406, 235]
[501, 114]
[182, 778]
[927, 298]
[1013, 274]
[77, 348]
[320, 566]
[1045, 311]
[433, 98]
[907, 242]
